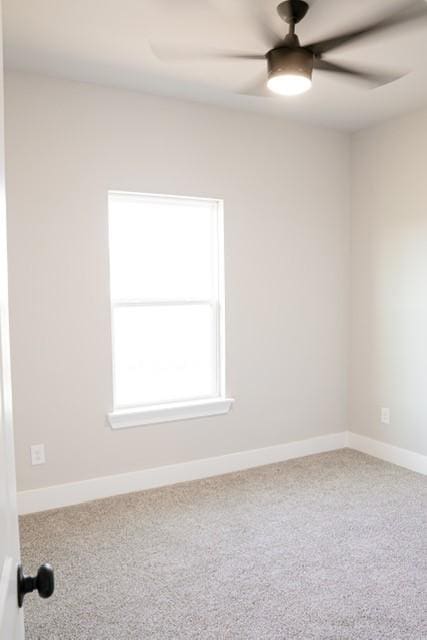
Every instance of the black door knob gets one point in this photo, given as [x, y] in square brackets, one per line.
[43, 582]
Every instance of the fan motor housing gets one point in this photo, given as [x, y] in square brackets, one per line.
[283, 60]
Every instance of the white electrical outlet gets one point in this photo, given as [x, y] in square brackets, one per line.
[385, 415]
[37, 454]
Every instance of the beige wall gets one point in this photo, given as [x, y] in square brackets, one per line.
[286, 191]
[389, 282]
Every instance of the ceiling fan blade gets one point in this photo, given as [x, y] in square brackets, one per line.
[176, 54]
[376, 78]
[257, 88]
[269, 35]
[416, 11]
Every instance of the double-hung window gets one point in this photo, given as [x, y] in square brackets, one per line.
[167, 307]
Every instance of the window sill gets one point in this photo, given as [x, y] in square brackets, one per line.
[141, 416]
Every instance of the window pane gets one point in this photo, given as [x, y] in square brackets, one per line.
[164, 354]
[163, 247]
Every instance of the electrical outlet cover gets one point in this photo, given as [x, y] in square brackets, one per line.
[385, 415]
[37, 454]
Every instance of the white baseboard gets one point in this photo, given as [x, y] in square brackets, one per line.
[64, 495]
[402, 457]
[76, 492]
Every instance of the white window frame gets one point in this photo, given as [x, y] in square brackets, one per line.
[131, 416]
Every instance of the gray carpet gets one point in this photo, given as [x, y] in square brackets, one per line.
[332, 546]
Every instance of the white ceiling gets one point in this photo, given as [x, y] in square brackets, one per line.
[108, 42]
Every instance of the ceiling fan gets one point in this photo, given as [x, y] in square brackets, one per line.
[290, 65]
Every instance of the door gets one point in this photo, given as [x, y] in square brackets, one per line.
[11, 618]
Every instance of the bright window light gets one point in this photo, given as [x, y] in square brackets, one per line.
[166, 272]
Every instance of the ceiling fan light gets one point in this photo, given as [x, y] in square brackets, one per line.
[289, 84]
[289, 70]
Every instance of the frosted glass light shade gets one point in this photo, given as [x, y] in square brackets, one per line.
[289, 84]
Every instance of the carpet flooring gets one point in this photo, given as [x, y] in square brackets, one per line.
[327, 547]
